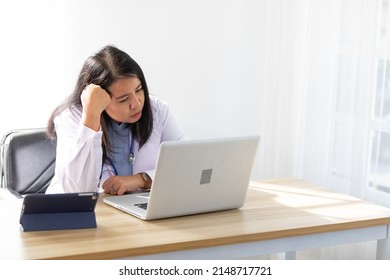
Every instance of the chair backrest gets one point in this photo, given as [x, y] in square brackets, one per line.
[27, 160]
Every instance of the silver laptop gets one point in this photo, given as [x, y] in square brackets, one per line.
[194, 176]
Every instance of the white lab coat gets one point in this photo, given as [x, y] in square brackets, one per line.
[79, 150]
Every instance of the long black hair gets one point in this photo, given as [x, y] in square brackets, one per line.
[105, 68]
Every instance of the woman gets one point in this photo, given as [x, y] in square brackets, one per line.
[109, 129]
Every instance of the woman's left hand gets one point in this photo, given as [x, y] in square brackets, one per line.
[121, 184]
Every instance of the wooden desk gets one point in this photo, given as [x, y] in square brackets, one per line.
[279, 216]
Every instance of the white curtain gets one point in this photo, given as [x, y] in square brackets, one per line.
[327, 107]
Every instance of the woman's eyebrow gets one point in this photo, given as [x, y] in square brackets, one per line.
[126, 94]
[122, 96]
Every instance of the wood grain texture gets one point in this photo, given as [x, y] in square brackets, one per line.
[276, 208]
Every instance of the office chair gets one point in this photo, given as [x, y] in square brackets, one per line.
[27, 161]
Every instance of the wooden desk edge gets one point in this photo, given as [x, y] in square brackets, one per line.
[230, 240]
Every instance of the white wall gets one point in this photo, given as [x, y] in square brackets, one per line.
[206, 58]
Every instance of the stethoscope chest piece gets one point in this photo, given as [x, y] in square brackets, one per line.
[132, 158]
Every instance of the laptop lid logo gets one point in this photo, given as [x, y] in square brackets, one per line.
[205, 178]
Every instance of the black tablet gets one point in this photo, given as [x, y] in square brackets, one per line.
[58, 211]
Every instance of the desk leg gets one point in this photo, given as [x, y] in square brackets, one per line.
[383, 247]
[292, 255]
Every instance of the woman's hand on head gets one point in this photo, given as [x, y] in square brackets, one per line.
[94, 100]
[121, 184]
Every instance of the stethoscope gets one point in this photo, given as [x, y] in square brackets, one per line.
[131, 159]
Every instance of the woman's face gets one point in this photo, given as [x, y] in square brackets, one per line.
[127, 100]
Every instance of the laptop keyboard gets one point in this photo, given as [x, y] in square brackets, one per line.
[142, 205]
